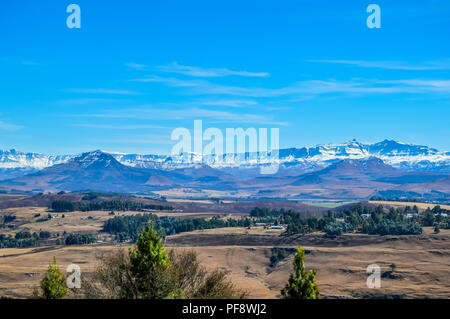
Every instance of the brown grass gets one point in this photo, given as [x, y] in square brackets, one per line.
[422, 262]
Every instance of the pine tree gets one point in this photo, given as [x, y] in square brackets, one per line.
[53, 285]
[149, 265]
[301, 285]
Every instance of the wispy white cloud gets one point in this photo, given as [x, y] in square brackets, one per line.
[102, 91]
[421, 85]
[202, 87]
[120, 127]
[87, 101]
[135, 66]
[162, 114]
[207, 72]
[392, 65]
[309, 87]
[9, 127]
[230, 103]
[172, 81]
[149, 139]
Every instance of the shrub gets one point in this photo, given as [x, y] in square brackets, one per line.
[11, 242]
[388, 227]
[148, 270]
[53, 285]
[278, 254]
[336, 229]
[23, 235]
[44, 234]
[62, 206]
[8, 218]
[79, 239]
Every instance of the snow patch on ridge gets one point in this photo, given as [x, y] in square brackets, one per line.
[401, 155]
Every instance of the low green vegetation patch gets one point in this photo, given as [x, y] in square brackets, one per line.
[68, 206]
[358, 218]
[94, 195]
[128, 227]
[79, 239]
[278, 254]
[26, 239]
[12, 242]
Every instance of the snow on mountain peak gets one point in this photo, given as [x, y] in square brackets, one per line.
[394, 153]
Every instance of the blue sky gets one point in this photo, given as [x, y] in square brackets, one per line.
[138, 69]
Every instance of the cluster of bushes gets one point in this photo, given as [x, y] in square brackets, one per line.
[360, 218]
[26, 239]
[11, 242]
[396, 221]
[35, 235]
[279, 253]
[389, 227]
[6, 219]
[266, 212]
[94, 195]
[44, 234]
[337, 228]
[79, 239]
[22, 235]
[376, 220]
[172, 225]
[67, 206]
[125, 227]
[146, 271]
[128, 227]
[437, 217]
[23, 239]
[297, 223]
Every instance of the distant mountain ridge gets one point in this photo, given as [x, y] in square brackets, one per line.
[408, 157]
[347, 179]
[17, 159]
[92, 171]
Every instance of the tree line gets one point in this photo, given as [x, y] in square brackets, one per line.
[128, 227]
[68, 206]
[26, 239]
[23, 239]
[358, 218]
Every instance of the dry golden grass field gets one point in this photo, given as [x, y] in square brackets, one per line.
[411, 204]
[422, 262]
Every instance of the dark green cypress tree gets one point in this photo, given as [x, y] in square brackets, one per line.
[301, 285]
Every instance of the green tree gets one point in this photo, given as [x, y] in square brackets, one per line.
[149, 265]
[393, 267]
[301, 285]
[428, 219]
[53, 285]
[149, 271]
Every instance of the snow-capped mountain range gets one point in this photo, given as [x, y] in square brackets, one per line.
[408, 157]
